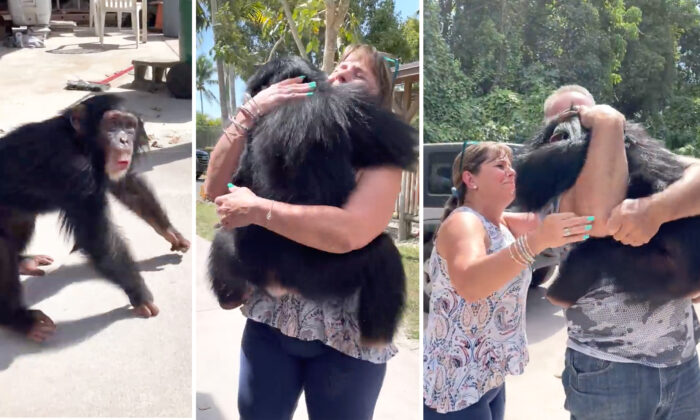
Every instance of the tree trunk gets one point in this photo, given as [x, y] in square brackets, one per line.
[293, 28]
[335, 15]
[223, 94]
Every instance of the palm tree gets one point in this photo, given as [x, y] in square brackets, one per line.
[205, 73]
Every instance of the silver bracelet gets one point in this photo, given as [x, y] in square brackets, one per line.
[513, 257]
[521, 251]
[242, 129]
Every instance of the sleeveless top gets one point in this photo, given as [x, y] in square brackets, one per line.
[333, 322]
[469, 347]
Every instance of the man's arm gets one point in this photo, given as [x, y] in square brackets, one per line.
[602, 183]
[635, 221]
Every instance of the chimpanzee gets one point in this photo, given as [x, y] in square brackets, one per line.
[307, 152]
[69, 163]
[668, 267]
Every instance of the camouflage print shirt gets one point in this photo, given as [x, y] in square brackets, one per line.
[606, 324]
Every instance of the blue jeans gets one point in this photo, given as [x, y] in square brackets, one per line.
[491, 406]
[275, 368]
[601, 390]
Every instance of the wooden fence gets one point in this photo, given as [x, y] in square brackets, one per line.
[407, 205]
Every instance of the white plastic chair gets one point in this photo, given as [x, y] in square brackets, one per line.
[136, 8]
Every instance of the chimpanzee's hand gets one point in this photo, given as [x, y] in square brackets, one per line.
[634, 221]
[238, 208]
[43, 326]
[179, 243]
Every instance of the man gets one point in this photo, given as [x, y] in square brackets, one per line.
[626, 360]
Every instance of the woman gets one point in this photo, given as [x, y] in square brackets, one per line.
[290, 343]
[480, 274]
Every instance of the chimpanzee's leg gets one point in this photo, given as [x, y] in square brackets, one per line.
[578, 272]
[383, 294]
[228, 274]
[15, 231]
[96, 236]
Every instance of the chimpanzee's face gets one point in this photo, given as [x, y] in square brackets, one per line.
[567, 127]
[118, 134]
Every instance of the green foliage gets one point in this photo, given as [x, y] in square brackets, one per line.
[205, 78]
[248, 33]
[205, 121]
[495, 62]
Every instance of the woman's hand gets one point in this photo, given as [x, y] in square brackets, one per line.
[559, 229]
[279, 93]
[240, 207]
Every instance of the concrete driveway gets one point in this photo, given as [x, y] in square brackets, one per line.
[103, 361]
[218, 340]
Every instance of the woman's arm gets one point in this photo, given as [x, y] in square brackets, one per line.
[223, 161]
[521, 223]
[331, 229]
[602, 183]
[474, 274]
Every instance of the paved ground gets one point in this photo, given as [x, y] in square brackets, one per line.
[538, 393]
[218, 350]
[102, 361]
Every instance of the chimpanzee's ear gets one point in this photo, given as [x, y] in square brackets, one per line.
[77, 116]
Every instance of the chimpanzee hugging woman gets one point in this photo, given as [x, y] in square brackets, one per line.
[290, 343]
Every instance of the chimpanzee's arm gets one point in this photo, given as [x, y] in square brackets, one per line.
[96, 236]
[138, 197]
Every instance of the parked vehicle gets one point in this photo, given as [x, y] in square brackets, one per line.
[437, 170]
[202, 163]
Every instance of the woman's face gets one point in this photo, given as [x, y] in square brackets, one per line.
[356, 68]
[495, 180]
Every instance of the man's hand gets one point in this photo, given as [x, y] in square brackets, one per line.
[635, 221]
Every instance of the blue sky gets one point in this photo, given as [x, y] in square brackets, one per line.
[205, 41]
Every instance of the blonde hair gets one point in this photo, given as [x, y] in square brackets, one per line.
[471, 159]
[564, 89]
[380, 68]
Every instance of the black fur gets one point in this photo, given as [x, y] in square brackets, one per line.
[51, 165]
[668, 267]
[307, 152]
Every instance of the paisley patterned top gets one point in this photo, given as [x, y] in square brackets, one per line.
[333, 322]
[470, 347]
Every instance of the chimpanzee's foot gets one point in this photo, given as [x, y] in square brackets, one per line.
[146, 310]
[29, 265]
[42, 328]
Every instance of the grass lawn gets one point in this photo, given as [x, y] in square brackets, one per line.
[206, 219]
[411, 266]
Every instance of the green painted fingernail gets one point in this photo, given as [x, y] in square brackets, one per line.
[302, 77]
[589, 227]
[229, 185]
[586, 237]
[312, 85]
[309, 94]
[591, 218]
